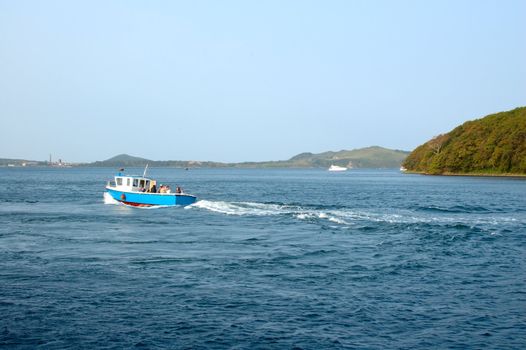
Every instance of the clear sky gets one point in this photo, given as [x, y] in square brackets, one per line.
[250, 80]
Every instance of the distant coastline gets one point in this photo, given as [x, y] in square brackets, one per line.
[369, 157]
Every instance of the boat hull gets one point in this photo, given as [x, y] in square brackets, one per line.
[145, 199]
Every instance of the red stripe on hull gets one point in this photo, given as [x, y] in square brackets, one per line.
[137, 204]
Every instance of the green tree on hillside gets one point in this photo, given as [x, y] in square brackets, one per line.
[495, 144]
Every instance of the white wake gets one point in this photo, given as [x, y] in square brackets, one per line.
[343, 216]
[108, 199]
[264, 209]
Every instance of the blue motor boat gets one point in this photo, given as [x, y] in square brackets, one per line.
[141, 191]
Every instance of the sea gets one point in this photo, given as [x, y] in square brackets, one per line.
[265, 259]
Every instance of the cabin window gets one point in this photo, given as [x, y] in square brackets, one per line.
[142, 183]
[147, 184]
[135, 183]
[119, 181]
[128, 182]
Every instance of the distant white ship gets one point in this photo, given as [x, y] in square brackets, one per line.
[403, 169]
[337, 168]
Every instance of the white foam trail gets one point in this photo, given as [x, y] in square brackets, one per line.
[342, 217]
[303, 216]
[262, 209]
[339, 221]
[345, 217]
[238, 208]
[108, 199]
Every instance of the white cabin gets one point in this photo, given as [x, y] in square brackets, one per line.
[132, 183]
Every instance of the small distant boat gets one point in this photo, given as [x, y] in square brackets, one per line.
[337, 168]
[141, 191]
[403, 169]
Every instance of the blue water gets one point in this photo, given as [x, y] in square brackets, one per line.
[268, 259]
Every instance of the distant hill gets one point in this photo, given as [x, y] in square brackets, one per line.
[370, 157]
[122, 160]
[493, 145]
[125, 160]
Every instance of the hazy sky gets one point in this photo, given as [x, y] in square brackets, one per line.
[250, 80]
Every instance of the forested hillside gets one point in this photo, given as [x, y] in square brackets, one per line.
[493, 145]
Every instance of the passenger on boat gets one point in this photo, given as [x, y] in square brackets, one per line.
[178, 190]
[153, 189]
[168, 189]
